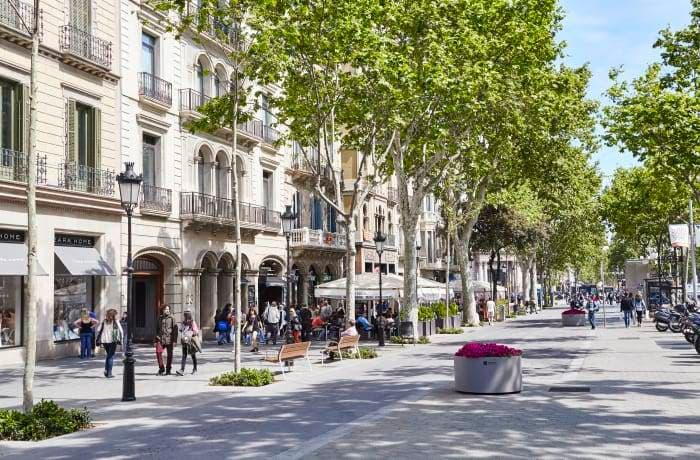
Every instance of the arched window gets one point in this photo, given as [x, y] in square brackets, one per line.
[199, 78]
[221, 175]
[201, 176]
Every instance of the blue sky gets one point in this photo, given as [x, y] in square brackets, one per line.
[611, 33]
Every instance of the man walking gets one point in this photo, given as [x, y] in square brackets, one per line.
[272, 320]
[592, 307]
[166, 336]
[626, 309]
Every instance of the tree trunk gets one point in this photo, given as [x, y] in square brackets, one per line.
[237, 233]
[350, 253]
[469, 313]
[410, 296]
[497, 278]
[525, 286]
[533, 280]
[32, 230]
[492, 270]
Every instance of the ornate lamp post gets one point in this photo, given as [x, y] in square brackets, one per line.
[129, 190]
[288, 219]
[379, 239]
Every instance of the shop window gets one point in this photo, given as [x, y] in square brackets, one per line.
[70, 295]
[10, 311]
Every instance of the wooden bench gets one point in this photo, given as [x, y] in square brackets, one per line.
[348, 342]
[290, 352]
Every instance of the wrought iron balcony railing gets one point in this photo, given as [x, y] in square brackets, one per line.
[19, 16]
[13, 166]
[81, 44]
[156, 199]
[81, 178]
[317, 239]
[156, 89]
[270, 134]
[195, 205]
[191, 100]
[392, 194]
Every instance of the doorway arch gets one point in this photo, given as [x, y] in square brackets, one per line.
[147, 297]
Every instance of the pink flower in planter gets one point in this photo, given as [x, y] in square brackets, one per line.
[574, 311]
[487, 350]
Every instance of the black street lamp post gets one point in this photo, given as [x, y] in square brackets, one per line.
[288, 218]
[129, 190]
[312, 283]
[418, 246]
[379, 239]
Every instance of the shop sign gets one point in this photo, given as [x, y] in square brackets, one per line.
[78, 241]
[11, 236]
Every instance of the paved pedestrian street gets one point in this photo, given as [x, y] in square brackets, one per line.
[644, 402]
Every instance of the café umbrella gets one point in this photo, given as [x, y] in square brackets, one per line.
[367, 288]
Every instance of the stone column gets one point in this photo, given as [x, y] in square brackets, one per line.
[252, 277]
[304, 280]
[190, 285]
[225, 288]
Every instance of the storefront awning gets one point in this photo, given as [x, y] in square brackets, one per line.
[82, 261]
[275, 281]
[13, 260]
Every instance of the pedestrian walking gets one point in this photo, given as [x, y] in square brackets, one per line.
[189, 338]
[306, 317]
[223, 325]
[490, 310]
[295, 325]
[124, 323]
[283, 320]
[252, 328]
[592, 307]
[272, 320]
[639, 308]
[85, 325]
[109, 335]
[626, 307]
[381, 328]
[166, 336]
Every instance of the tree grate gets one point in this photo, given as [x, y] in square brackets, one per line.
[569, 389]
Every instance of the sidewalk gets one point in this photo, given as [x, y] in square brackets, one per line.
[73, 382]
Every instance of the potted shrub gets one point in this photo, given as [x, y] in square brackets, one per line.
[453, 320]
[488, 368]
[426, 320]
[573, 317]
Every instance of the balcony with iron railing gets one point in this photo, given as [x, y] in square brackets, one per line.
[89, 49]
[270, 135]
[191, 101]
[209, 208]
[317, 239]
[14, 167]
[214, 28]
[156, 200]
[155, 89]
[17, 20]
[82, 178]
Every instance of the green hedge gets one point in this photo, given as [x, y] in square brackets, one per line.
[365, 353]
[450, 330]
[439, 309]
[46, 420]
[426, 313]
[423, 340]
[244, 378]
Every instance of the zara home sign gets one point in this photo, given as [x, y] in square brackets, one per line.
[74, 241]
[11, 236]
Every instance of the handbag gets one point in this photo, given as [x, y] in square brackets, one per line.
[159, 348]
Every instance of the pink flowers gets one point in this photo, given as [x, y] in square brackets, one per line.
[487, 350]
[574, 311]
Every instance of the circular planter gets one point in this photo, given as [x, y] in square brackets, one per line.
[488, 375]
[573, 320]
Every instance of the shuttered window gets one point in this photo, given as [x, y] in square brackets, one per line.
[80, 15]
[83, 134]
[12, 112]
[150, 153]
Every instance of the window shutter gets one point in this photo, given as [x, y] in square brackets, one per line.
[71, 132]
[23, 122]
[97, 153]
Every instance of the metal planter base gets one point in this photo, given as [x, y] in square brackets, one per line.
[573, 320]
[488, 375]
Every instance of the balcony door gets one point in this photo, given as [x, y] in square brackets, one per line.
[81, 15]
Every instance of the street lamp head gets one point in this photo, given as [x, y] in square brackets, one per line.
[379, 239]
[288, 218]
[129, 187]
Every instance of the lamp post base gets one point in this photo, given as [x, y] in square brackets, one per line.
[128, 386]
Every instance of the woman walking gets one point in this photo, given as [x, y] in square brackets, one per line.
[85, 328]
[223, 324]
[109, 336]
[295, 325]
[189, 338]
[252, 328]
[639, 308]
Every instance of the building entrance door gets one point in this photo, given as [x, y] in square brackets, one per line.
[148, 287]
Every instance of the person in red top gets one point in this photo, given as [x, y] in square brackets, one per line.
[317, 322]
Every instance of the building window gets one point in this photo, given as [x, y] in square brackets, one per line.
[70, 295]
[201, 174]
[80, 15]
[266, 114]
[199, 78]
[10, 311]
[83, 143]
[151, 147]
[267, 190]
[148, 53]
[11, 108]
